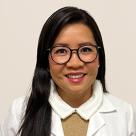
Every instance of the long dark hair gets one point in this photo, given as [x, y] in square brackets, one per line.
[37, 118]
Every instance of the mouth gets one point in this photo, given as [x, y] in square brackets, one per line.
[75, 76]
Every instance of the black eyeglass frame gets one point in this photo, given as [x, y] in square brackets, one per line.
[76, 51]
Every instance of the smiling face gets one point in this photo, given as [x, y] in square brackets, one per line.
[75, 78]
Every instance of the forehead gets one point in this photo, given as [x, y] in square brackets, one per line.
[75, 28]
[77, 32]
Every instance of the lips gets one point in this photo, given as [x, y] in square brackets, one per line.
[75, 77]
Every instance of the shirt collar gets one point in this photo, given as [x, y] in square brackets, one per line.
[86, 110]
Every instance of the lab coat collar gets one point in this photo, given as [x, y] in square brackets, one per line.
[107, 106]
[86, 110]
[96, 121]
[58, 105]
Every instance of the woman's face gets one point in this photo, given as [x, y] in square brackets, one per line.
[75, 78]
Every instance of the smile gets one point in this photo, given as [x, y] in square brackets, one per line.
[73, 76]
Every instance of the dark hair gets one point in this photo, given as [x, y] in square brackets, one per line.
[37, 118]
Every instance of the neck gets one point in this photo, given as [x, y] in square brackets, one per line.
[75, 100]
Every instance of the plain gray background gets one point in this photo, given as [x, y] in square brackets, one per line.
[20, 25]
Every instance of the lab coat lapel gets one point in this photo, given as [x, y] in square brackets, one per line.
[56, 128]
[95, 124]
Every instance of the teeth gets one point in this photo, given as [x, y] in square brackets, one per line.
[75, 76]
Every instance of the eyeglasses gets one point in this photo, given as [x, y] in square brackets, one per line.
[62, 54]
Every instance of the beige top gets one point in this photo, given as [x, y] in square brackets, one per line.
[74, 125]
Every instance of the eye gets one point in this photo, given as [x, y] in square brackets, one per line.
[86, 50]
[59, 51]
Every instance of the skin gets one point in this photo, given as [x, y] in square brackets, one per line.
[72, 92]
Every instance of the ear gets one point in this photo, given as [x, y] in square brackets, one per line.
[98, 62]
[48, 69]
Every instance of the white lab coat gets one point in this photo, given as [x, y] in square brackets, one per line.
[114, 118]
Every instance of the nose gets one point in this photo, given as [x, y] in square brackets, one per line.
[74, 61]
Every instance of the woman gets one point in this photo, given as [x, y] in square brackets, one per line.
[68, 94]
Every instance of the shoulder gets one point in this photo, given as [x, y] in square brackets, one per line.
[20, 101]
[19, 105]
[12, 122]
[118, 103]
[121, 108]
[123, 112]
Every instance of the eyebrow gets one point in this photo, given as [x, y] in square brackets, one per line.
[87, 43]
[61, 44]
[80, 44]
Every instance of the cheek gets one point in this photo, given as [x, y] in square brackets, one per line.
[93, 68]
[55, 69]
